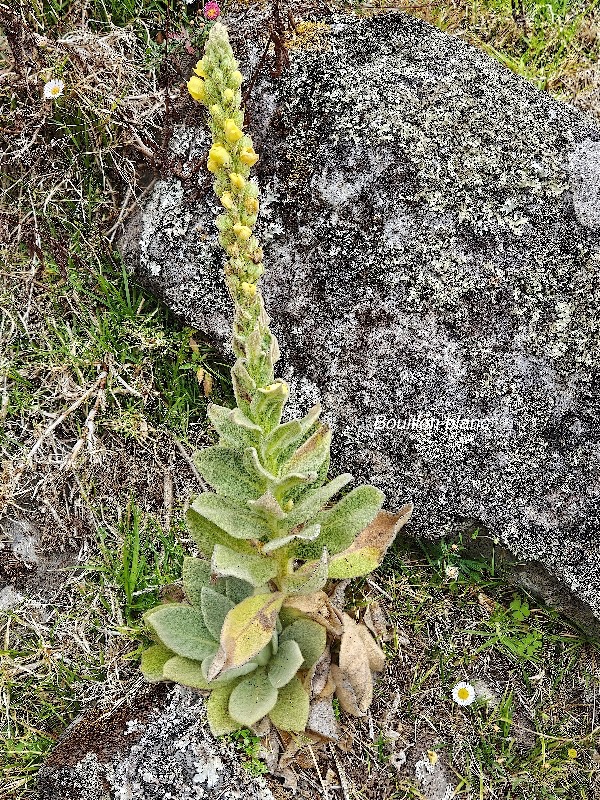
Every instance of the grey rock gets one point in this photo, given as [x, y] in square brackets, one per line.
[433, 261]
[157, 747]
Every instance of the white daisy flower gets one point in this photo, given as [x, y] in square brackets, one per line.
[451, 572]
[463, 694]
[53, 89]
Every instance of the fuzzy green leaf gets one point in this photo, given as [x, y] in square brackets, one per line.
[310, 637]
[366, 553]
[228, 675]
[293, 482]
[268, 507]
[215, 607]
[308, 533]
[154, 659]
[244, 388]
[248, 628]
[237, 590]
[268, 403]
[181, 628]
[310, 456]
[252, 698]
[187, 672]
[217, 711]
[290, 713]
[284, 439]
[196, 573]
[229, 473]
[314, 501]
[344, 522]
[206, 534]
[285, 663]
[232, 517]
[233, 427]
[254, 569]
[311, 577]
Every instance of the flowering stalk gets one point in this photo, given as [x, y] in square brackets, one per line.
[216, 84]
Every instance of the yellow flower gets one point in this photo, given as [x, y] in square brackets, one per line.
[227, 200]
[248, 156]
[249, 289]
[232, 132]
[242, 232]
[572, 753]
[251, 205]
[228, 95]
[196, 88]
[237, 181]
[199, 69]
[219, 155]
[237, 77]
[212, 165]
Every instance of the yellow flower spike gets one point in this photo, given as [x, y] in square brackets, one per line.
[242, 232]
[251, 205]
[248, 156]
[237, 181]
[237, 77]
[232, 132]
[228, 95]
[227, 201]
[219, 155]
[196, 88]
[249, 289]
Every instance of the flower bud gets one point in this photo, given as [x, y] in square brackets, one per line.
[237, 181]
[288, 505]
[211, 165]
[242, 232]
[219, 155]
[227, 201]
[232, 132]
[236, 77]
[196, 88]
[199, 69]
[228, 96]
[251, 205]
[215, 109]
[249, 289]
[248, 156]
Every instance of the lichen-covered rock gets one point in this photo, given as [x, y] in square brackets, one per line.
[156, 747]
[432, 246]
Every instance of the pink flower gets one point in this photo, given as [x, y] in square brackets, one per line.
[212, 10]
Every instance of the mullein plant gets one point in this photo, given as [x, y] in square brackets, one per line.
[261, 629]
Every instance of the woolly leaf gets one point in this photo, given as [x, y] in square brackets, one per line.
[375, 654]
[215, 607]
[291, 483]
[344, 522]
[232, 517]
[253, 464]
[315, 500]
[285, 663]
[252, 698]
[244, 388]
[345, 693]
[206, 534]
[254, 569]
[248, 628]
[196, 573]
[217, 711]
[268, 507]
[310, 456]
[310, 637]
[181, 628]
[311, 577]
[308, 533]
[187, 672]
[267, 405]
[154, 659]
[233, 427]
[263, 658]
[284, 439]
[237, 590]
[228, 675]
[290, 713]
[226, 470]
[366, 552]
[354, 666]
